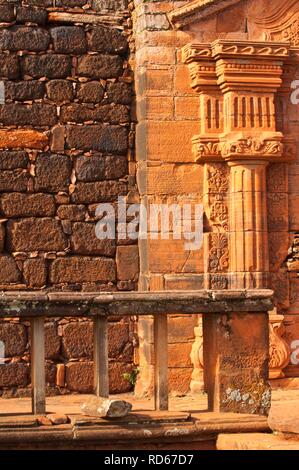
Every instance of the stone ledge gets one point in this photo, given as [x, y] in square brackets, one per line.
[254, 442]
[162, 428]
[47, 303]
[284, 418]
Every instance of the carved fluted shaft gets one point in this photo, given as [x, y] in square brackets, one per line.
[249, 253]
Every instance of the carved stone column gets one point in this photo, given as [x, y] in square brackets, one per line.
[249, 75]
[243, 140]
[249, 254]
[245, 135]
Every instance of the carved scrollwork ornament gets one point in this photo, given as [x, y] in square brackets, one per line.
[279, 349]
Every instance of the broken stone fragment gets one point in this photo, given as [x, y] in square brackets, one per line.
[105, 408]
[58, 419]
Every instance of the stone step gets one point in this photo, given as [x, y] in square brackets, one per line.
[284, 417]
[259, 441]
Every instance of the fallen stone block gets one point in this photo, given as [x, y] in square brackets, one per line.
[106, 408]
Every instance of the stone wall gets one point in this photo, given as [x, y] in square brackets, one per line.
[169, 114]
[168, 117]
[67, 144]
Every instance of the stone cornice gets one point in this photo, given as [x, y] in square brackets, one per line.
[197, 10]
[236, 63]
[222, 48]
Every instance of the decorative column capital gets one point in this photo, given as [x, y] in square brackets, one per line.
[249, 66]
[202, 66]
[240, 79]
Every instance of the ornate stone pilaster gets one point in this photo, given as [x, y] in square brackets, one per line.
[248, 76]
[248, 136]
[249, 254]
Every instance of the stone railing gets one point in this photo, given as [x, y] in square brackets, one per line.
[235, 331]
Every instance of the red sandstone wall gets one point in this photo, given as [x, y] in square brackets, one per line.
[66, 144]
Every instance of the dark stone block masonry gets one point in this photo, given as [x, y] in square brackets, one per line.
[65, 145]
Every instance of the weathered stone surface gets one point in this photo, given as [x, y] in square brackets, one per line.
[116, 167]
[179, 355]
[9, 272]
[118, 335]
[82, 269]
[35, 272]
[110, 5]
[14, 375]
[114, 114]
[20, 38]
[2, 237]
[60, 91]
[50, 373]
[106, 40]
[97, 168]
[10, 160]
[35, 235]
[78, 340]
[117, 381]
[9, 66]
[98, 137]
[181, 329]
[69, 39]
[47, 65]
[90, 168]
[284, 418]
[14, 337]
[7, 13]
[52, 341]
[70, 3]
[52, 172]
[40, 3]
[79, 376]
[27, 205]
[127, 262]
[27, 14]
[179, 380]
[85, 242]
[13, 180]
[255, 441]
[105, 408]
[100, 66]
[58, 419]
[239, 370]
[91, 92]
[60, 376]
[88, 193]
[57, 139]
[77, 113]
[72, 212]
[19, 138]
[24, 115]
[25, 90]
[119, 93]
